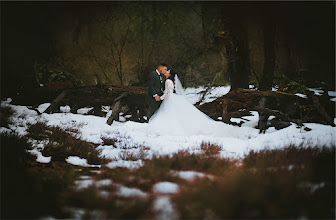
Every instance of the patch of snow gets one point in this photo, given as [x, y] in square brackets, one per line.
[75, 160]
[84, 111]
[275, 88]
[332, 93]
[194, 94]
[126, 164]
[313, 187]
[41, 108]
[40, 158]
[166, 188]
[101, 183]
[5, 130]
[109, 113]
[7, 101]
[190, 175]
[333, 99]
[65, 109]
[83, 184]
[319, 91]
[105, 108]
[301, 95]
[164, 207]
[252, 120]
[95, 171]
[271, 117]
[237, 120]
[124, 191]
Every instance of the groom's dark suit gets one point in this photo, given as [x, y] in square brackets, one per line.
[155, 87]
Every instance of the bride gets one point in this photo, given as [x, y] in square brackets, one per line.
[177, 116]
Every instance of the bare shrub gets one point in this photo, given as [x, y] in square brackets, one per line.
[210, 149]
[5, 113]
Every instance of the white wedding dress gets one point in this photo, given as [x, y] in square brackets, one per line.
[177, 116]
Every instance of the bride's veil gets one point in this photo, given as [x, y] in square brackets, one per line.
[178, 86]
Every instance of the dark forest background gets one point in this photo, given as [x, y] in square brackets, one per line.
[66, 44]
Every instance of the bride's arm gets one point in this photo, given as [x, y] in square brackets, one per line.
[169, 88]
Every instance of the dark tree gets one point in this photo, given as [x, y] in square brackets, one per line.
[269, 38]
[239, 66]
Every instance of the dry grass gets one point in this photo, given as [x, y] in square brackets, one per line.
[158, 169]
[267, 187]
[109, 141]
[210, 149]
[288, 183]
[5, 113]
[62, 144]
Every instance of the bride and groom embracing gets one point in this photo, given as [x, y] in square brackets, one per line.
[170, 113]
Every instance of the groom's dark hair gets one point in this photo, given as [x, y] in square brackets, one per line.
[163, 64]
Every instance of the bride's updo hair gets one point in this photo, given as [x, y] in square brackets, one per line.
[172, 75]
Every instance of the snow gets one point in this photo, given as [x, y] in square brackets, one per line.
[105, 182]
[65, 109]
[237, 120]
[190, 175]
[41, 108]
[313, 187]
[126, 164]
[301, 95]
[319, 92]
[84, 111]
[332, 93]
[124, 191]
[84, 183]
[40, 158]
[164, 207]
[252, 121]
[195, 94]
[5, 130]
[74, 160]
[7, 101]
[166, 188]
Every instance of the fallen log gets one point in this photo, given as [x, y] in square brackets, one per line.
[285, 107]
[320, 109]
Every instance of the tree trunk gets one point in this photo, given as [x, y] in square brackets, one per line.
[239, 75]
[269, 35]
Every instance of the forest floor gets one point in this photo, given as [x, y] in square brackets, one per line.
[76, 166]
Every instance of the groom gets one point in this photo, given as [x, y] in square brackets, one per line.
[155, 88]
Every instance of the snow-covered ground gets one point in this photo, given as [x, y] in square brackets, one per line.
[132, 139]
[195, 94]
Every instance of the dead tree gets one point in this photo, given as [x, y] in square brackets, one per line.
[54, 106]
[117, 103]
